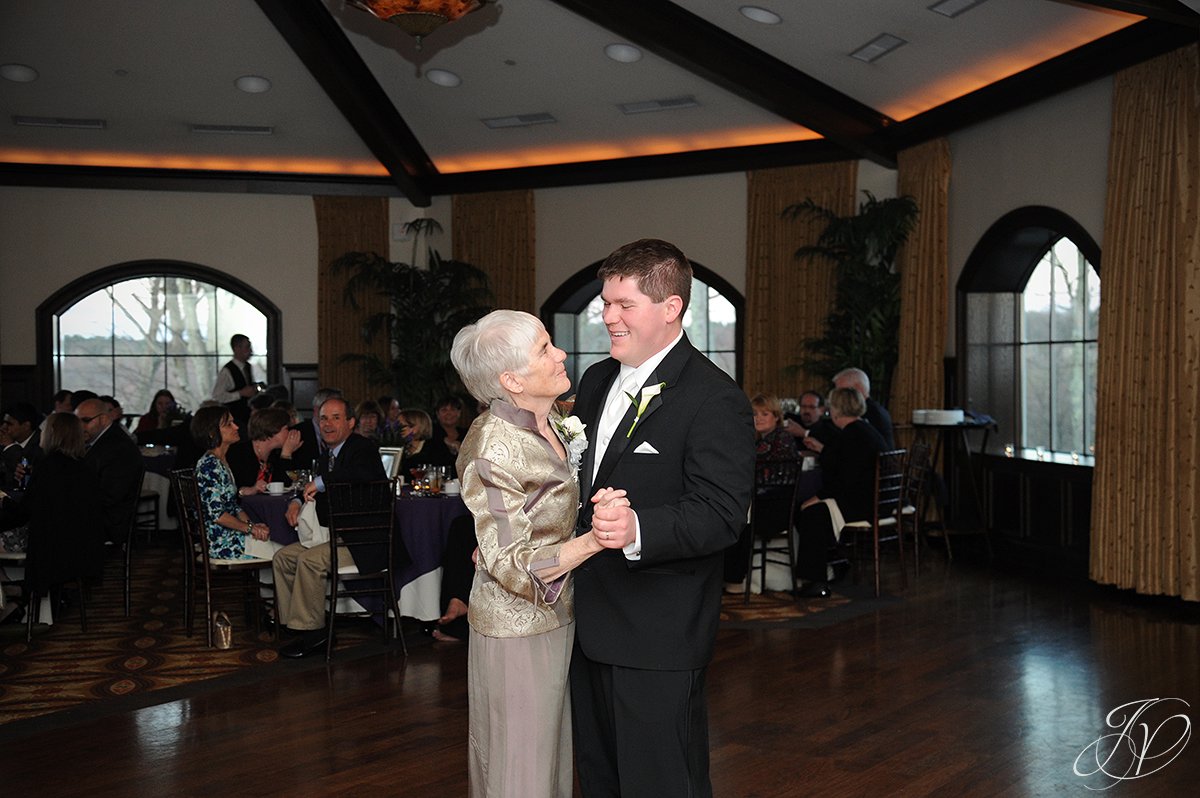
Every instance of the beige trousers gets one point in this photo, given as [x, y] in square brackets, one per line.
[301, 580]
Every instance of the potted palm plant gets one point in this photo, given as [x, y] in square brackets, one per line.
[427, 306]
[863, 327]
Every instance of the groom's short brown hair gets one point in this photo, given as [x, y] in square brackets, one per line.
[661, 269]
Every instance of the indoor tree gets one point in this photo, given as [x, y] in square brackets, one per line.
[863, 326]
[427, 306]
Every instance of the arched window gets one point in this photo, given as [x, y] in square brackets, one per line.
[713, 320]
[136, 328]
[1029, 302]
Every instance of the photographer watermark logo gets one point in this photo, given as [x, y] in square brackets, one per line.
[1149, 734]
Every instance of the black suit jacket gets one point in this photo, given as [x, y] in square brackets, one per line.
[65, 533]
[881, 420]
[691, 498]
[848, 470]
[12, 456]
[116, 460]
[358, 461]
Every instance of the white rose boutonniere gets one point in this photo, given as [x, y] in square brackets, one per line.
[647, 393]
[571, 430]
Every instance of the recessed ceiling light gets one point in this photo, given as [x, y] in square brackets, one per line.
[877, 48]
[59, 121]
[443, 77]
[669, 104]
[18, 73]
[520, 120]
[952, 8]
[625, 53]
[253, 84]
[233, 130]
[760, 15]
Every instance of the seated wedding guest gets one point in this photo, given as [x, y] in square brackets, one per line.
[876, 413]
[116, 413]
[300, 573]
[116, 460]
[370, 419]
[390, 407]
[19, 440]
[293, 415]
[458, 572]
[772, 445]
[61, 403]
[163, 413]
[847, 492]
[311, 445]
[231, 535]
[810, 426]
[449, 430]
[79, 397]
[266, 454]
[772, 442]
[261, 401]
[55, 522]
[416, 430]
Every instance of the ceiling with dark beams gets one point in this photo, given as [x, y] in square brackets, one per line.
[142, 94]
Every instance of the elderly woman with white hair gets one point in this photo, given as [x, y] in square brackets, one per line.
[518, 467]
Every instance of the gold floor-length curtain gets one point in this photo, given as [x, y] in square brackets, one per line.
[917, 381]
[1146, 493]
[787, 300]
[347, 224]
[494, 232]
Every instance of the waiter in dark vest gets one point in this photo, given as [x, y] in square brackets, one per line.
[235, 381]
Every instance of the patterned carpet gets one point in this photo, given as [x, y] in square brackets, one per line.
[64, 667]
[777, 609]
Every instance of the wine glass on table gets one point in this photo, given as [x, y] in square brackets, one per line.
[418, 479]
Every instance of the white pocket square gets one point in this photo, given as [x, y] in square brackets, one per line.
[645, 448]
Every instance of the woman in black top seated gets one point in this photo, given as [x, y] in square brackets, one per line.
[265, 455]
[65, 540]
[417, 432]
[848, 488]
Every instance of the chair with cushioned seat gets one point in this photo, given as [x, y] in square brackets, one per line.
[193, 522]
[884, 525]
[772, 520]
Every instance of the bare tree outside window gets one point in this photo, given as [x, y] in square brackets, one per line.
[135, 337]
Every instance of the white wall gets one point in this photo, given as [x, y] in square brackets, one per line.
[54, 236]
[704, 216]
[1052, 153]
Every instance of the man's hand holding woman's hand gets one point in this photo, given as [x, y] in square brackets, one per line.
[613, 523]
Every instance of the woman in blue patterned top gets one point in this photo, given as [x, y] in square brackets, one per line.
[231, 535]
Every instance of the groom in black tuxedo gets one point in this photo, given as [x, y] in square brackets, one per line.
[676, 433]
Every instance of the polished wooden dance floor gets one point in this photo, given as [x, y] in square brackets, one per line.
[973, 683]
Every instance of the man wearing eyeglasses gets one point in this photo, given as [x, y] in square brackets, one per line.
[118, 464]
[811, 427]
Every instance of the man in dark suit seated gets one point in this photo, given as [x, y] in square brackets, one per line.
[811, 427]
[115, 458]
[300, 572]
[877, 415]
[19, 438]
[311, 446]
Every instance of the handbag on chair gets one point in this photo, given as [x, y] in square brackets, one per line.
[222, 631]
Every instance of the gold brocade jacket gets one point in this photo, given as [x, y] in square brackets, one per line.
[524, 499]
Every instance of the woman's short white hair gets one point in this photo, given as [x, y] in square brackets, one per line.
[501, 341]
